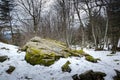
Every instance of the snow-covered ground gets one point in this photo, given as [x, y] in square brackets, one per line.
[25, 71]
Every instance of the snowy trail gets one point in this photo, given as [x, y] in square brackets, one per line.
[25, 71]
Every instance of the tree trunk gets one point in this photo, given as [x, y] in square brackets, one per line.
[35, 26]
[93, 33]
[81, 23]
[106, 30]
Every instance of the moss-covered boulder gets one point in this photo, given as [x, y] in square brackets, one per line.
[89, 75]
[47, 51]
[44, 51]
[66, 67]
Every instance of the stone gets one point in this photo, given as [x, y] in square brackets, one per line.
[90, 75]
[75, 77]
[66, 67]
[10, 70]
[117, 77]
[3, 58]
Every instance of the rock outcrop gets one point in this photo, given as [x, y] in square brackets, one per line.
[44, 51]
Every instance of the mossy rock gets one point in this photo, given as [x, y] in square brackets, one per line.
[47, 51]
[44, 51]
[89, 75]
[65, 67]
[80, 52]
[77, 53]
[37, 56]
[91, 59]
[3, 58]
[10, 70]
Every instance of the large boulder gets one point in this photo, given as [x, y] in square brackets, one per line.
[44, 51]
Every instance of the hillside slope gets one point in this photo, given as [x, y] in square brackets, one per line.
[25, 71]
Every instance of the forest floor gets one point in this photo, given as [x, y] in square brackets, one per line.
[24, 71]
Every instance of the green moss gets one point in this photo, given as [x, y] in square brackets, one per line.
[37, 56]
[38, 59]
[34, 50]
[80, 51]
[91, 59]
[65, 67]
[71, 52]
[58, 56]
[76, 52]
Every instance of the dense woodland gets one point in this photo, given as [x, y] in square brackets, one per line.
[88, 23]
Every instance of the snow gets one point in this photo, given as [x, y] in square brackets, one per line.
[78, 65]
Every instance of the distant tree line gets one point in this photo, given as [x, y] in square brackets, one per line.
[88, 23]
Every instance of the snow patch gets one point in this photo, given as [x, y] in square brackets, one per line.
[24, 70]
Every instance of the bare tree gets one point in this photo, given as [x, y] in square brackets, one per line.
[77, 6]
[64, 10]
[90, 7]
[33, 8]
